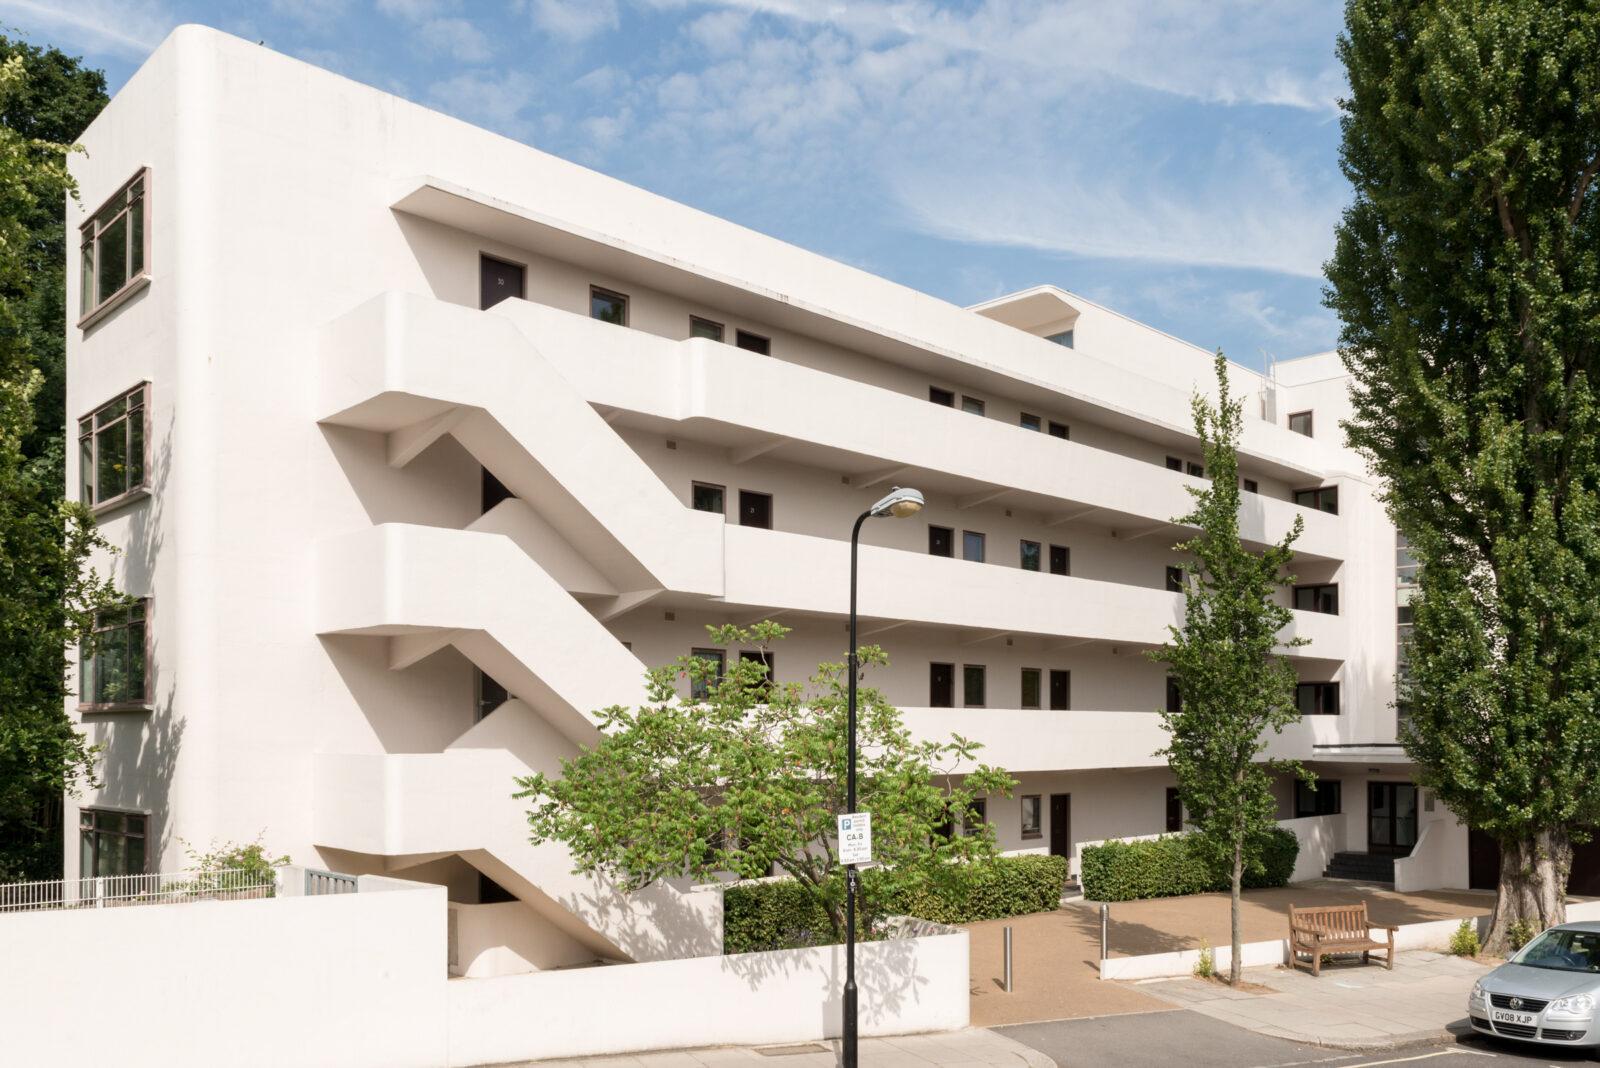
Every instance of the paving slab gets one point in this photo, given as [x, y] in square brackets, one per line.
[971, 1048]
[1350, 1006]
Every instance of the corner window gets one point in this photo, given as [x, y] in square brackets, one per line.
[1064, 339]
[941, 541]
[607, 306]
[1031, 688]
[111, 666]
[111, 843]
[972, 546]
[1300, 423]
[1317, 698]
[972, 405]
[1320, 498]
[111, 449]
[1060, 560]
[1030, 422]
[1032, 812]
[972, 685]
[114, 250]
[1174, 580]
[700, 688]
[942, 396]
[1030, 554]
[1060, 430]
[752, 342]
[1324, 599]
[705, 328]
[1317, 799]
[706, 497]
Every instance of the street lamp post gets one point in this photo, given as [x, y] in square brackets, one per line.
[898, 504]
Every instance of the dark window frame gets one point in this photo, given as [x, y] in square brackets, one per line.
[1195, 470]
[602, 293]
[90, 429]
[1251, 485]
[944, 398]
[1065, 430]
[1038, 688]
[1310, 423]
[983, 546]
[1036, 830]
[966, 685]
[1317, 590]
[1036, 425]
[1063, 338]
[127, 201]
[721, 330]
[933, 666]
[759, 344]
[1174, 696]
[981, 409]
[1175, 463]
[1317, 495]
[1066, 559]
[1321, 695]
[1022, 554]
[1174, 800]
[723, 490]
[89, 655]
[699, 689]
[1174, 579]
[90, 833]
[1324, 798]
[976, 816]
[767, 660]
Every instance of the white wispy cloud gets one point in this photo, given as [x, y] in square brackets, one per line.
[574, 20]
[128, 29]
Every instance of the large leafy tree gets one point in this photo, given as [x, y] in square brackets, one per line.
[1234, 685]
[1467, 277]
[47, 597]
[752, 776]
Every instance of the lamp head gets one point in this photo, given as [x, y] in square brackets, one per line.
[902, 501]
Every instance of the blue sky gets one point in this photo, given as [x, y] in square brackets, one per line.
[1174, 159]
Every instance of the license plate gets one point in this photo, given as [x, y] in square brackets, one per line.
[1524, 1018]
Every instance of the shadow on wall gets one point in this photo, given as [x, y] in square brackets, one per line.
[140, 757]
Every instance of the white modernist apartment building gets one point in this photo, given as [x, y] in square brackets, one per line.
[417, 445]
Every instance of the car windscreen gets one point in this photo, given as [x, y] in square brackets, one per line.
[1564, 951]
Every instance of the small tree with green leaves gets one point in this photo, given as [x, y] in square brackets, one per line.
[1234, 685]
[752, 776]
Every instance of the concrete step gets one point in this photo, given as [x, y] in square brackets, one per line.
[1370, 867]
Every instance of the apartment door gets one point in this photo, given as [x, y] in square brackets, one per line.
[1060, 690]
[1391, 817]
[498, 280]
[1061, 825]
[755, 509]
[941, 685]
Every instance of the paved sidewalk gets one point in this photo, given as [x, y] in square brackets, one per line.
[972, 1048]
[1351, 1006]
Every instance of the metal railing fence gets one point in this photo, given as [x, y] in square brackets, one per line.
[319, 882]
[108, 891]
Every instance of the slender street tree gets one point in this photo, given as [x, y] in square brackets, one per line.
[1466, 275]
[1234, 687]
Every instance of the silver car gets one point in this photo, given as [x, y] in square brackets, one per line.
[1546, 993]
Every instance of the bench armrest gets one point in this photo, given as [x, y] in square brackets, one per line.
[1385, 927]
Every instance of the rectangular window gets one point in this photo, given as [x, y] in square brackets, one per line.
[700, 688]
[1317, 698]
[111, 843]
[111, 666]
[1324, 599]
[708, 498]
[942, 396]
[1300, 423]
[1174, 696]
[755, 509]
[941, 541]
[607, 306]
[491, 695]
[941, 685]
[1030, 422]
[1032, 678]
[111, 449]
[705, 328]
[1196, 470]
[1317, 799]
[1060, 430]
[977, 815]
[753, 342]
[1060, 560]
[1174, 580]
[1060, 690]
[972, 546]
[1174, 464]
[1321, 498]
[1064, 339]
[972, 405]
[114, 247]
[1032, 811]
[1251, 486]
[1174, 810]
[1030, 553]
[972, 680]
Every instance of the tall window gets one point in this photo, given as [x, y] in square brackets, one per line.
[1030, 555]
[1174, 579]
[1174, 696]
[607, 306]
[700, 689]
[114, 249]
[768, 663]
[1174, 810]
[972, 685]
[110, 842]
[111, 665]
[972, 543]
[111, 441]
[977, 815]
[1031, 687]
[1032, 812]
[1300, 423]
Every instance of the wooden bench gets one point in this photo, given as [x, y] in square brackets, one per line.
[1325, 929]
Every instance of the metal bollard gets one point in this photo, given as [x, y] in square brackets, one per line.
[1008, 959]
[1105, 923]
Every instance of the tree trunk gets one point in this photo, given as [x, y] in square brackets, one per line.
[1533, 887]
[1238, 941]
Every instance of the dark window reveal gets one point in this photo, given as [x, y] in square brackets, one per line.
[1174, 579]
[1317, 698]
[973, 677]
[942, 396]
[1321, 498]
[1031, 685]
[753, 342]
[1324, 599]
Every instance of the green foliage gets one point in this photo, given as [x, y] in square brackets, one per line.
[251, 858]
[1466, 274]
[1205, 966]
[784, 914]
[47, 599]
[754, 775]
[1464, 943]
[1235, 687]
[1181, 864]
[1519, 933]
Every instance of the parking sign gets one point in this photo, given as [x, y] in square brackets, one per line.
[855, 838]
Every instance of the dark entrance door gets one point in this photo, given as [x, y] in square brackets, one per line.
[755, 509]
[941, 685]
[497, 280]
[1483, 860]
[1061, 825]
[1060, 689]
[1391, 817]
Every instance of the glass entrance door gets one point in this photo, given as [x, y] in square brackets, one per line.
[1391, 817]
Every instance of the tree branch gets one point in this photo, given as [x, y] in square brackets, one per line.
[1574, 208]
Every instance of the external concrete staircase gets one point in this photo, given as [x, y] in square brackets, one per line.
[1362, 867]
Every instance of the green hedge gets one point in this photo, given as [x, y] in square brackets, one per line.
[780, 914]
[1173, 866]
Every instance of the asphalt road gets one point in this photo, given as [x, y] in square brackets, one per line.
[1183, 1039]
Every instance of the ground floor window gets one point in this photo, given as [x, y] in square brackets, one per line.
[1032, 816]
[111, 842]
[1319, 799]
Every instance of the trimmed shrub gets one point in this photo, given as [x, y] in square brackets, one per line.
[1464, 943]
[780, 914]
[1173, 866]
